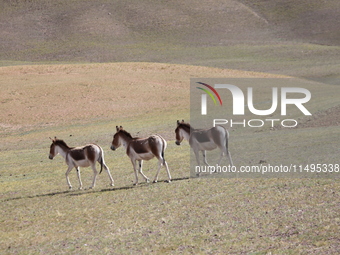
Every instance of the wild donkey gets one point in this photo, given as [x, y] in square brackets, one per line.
[203, 140]
[139, 149]
[84, 156]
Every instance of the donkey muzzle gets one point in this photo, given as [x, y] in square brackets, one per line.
[50, 156]
[178, 142]
[113, 148]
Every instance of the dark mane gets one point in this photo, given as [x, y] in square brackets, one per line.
[126, 133]
[185, 126]
[61, 143]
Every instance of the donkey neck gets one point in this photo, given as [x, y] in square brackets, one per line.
[126, 139]
[63, 150]
[186, 132]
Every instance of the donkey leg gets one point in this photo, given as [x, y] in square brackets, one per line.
[79, 179]
[225, 151]
[135, 171]
[102, 161]
[221, 156]
[108, 172]
[228, 156]
[167, 171]
[95, 173]
[197, 160]
[204, 153]
[230, 160]
[67, 179]
[141, 171]
[158, 170]
[197, 157]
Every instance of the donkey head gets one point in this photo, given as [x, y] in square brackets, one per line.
[53, 151]
[116, 142]
[179, 132]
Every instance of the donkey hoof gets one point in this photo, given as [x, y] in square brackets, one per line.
[155, 181]
[168, 181]
[135, 184]
[147, 180]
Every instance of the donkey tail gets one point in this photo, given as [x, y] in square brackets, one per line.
[227, 149]
[163, 149]
[101, 165]
[226, 141]
[163, 157]
[164, 144]
[101, 159]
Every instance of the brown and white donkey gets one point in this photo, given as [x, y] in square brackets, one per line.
[139, 149]
[76, 157]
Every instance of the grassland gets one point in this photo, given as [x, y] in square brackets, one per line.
[83, 103]
[77, 69]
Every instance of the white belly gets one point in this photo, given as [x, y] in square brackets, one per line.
[82, 163]
[208, 146]
[143, 156]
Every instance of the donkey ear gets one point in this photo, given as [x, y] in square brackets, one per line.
[178, 122]
[117, 128]
[121, 127]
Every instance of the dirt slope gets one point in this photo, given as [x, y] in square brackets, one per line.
[106, 31]
[46, 95]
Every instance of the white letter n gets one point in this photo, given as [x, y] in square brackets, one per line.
[238, 97]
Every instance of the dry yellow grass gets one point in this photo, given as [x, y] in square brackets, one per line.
[57, 94]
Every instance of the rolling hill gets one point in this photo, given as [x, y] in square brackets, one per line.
[269, 36]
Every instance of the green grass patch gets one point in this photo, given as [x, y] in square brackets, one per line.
[189, 215]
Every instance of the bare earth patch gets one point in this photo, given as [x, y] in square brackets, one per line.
[329, 117]
[57, 94]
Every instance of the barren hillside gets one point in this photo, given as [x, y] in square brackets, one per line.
[250, 35]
